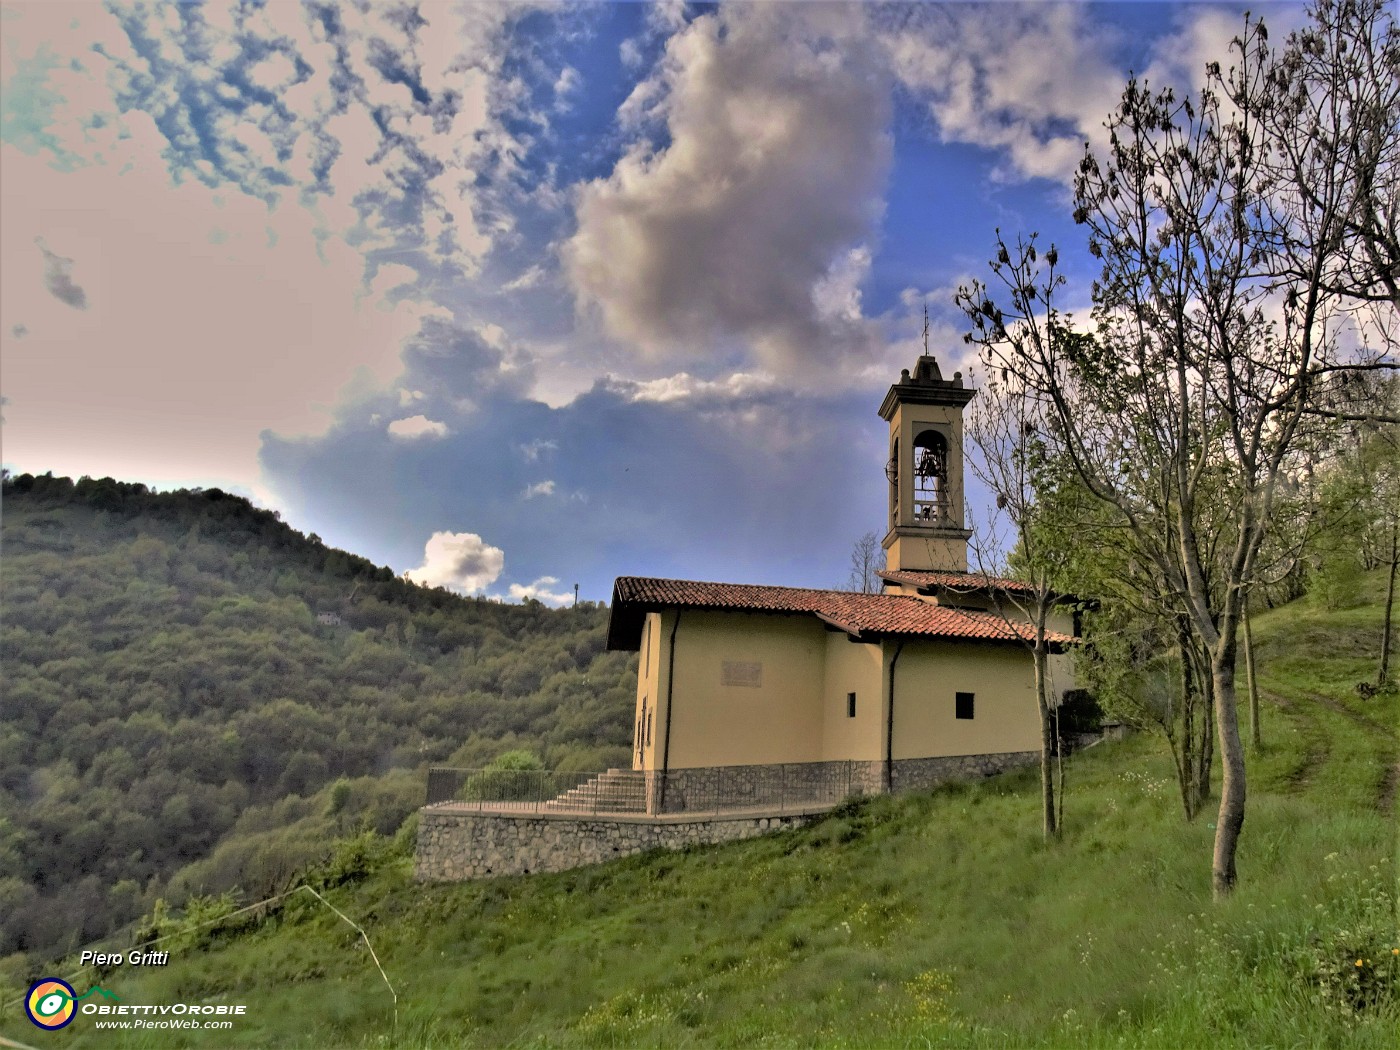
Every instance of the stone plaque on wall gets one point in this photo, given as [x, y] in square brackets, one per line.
[747, 673]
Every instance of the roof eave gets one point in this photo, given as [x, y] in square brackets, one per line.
[854, 633]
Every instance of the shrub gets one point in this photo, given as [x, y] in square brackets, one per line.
[515, 776]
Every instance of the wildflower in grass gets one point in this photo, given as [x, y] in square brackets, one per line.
[931, 992]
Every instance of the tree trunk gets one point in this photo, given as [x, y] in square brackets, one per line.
[1047, 781]
[1230, 820]
[1060, 766]
[1206, 756]
[1186, 768]
[1384, 673]
[1255, 742]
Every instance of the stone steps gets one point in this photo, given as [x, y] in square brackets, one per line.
[616, 791]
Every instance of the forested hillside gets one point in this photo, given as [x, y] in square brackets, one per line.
[935, 919]
[170, 693]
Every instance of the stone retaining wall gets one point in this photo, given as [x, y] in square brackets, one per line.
[458, 846]
[789, 786]
[455, 845]
[811, 783]
[914, 774]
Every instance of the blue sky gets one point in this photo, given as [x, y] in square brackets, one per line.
[518, 296]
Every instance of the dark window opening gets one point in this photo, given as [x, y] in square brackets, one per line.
[963, 705]
[850, 705]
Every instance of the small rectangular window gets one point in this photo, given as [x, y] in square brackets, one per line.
[850, 705]
[963, 705]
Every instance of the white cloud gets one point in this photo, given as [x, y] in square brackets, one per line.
[417, 427]
[778, 148]
[540, 488]
[685, 387]
[539, 590]
[630, 52]
[529, 279]
[459, 561]
[274, 72]
[566, 86]
[666, 16]
[533, 450]
[837, 295]
[1032, 81]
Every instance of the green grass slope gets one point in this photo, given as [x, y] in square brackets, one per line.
[932, 920]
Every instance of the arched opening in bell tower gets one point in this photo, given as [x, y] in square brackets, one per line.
[892, 474]
[931, 498]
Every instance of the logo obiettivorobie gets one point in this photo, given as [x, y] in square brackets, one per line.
[50, 1003]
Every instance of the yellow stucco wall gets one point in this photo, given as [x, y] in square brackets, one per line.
[852, 667]
[718, 724]
[798, 710]
[651, 671]
[928, 675]
[925, 552]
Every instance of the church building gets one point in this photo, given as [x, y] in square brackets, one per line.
[745, 691]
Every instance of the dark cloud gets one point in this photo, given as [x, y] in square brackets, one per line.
[19, 331]
[58, 279]
[451, 363]
[763, 485]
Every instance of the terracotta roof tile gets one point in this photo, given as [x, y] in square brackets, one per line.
[858, 614]
[958, 581]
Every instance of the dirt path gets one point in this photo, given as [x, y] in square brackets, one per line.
[1296, 780]
[1385, 796]
[1356, 716]
[1317, 754]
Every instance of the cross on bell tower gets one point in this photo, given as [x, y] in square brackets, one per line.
[925, 468]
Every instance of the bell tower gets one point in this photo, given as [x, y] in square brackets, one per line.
[925, 470]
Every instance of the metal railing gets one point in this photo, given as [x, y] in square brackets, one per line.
[524, 789]
[772, 789]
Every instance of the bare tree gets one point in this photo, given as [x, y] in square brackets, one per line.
[867, 559]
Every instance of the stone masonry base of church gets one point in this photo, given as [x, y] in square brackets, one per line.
[455, 845]
[795, 784]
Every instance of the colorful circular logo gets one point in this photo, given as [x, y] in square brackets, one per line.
[49, 1003]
